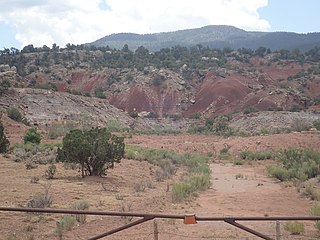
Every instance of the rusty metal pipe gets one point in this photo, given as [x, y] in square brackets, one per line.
[157, 215]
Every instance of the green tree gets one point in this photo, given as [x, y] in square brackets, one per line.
[32, 136]
[95, 150]
[4, 86]
[4, 142]
[14, 114]
[260, 51]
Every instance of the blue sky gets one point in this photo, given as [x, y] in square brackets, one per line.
[41, 23]
[300, 16]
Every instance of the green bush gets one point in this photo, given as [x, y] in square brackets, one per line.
[32, 136]
[316, 124]
[81, 205]
[315, 211]
[224, 154]
[4, 86]
[4, 142]
[195, 116]
[278, 172]
[184, 189]
[249, 155]
[65, 224]
[295, 108]
[249, 109]
[51, 171]
[95, 150]
[295, 228]
[302, 164]
[14, 114]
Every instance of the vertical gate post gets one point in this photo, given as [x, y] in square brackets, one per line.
[278, 233]
[155, 230]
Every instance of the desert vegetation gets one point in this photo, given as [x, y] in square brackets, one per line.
[182, 129]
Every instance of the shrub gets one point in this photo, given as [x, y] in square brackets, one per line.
[311, 192]
[4, 86]
[157, 80]
[41, 200]
[4, 142]
[99, 93]
[195, 116]
[249, 109]
[299, 125]
[278, 172]
[315, 211]
[316, 124]
[95, 150]
[14, 114]
[249, 155]
[224, 154]
[81, 205]
[295, 108]
[65, 224]
[295, 228]
[50, 172]
[32, 136]
[302, 164]
[182, 190]
[139, 187]
[133, 114]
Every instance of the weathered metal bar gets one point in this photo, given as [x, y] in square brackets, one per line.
[238, 225]
[148, 216]
[142, 220]
[157, 215]
[97, 213]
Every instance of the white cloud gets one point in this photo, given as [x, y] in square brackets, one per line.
[79, 21]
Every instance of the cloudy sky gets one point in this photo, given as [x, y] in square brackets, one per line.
[44, 22]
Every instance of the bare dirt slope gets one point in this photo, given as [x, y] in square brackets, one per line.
[236, 191]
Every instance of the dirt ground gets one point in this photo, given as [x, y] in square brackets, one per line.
[243, 190]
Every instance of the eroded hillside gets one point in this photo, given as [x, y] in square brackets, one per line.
[175, 83]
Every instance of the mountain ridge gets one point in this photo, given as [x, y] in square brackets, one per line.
[214, 36]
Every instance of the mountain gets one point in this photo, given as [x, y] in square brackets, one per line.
[214, 36]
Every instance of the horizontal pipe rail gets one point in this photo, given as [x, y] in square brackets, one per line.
[144, 217]
[158, 215]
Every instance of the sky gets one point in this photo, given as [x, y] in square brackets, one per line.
[44, 22]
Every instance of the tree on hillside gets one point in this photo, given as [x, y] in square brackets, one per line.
[32, 136]
[4, 142]
[4, 86]
[95, 150]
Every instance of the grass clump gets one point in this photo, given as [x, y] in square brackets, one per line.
[81, 205]
[198, 170]
[198, 179]
[224, 154]
[301, 164]
[249, 155]
[311, 192]
[65, 224]
[295, 227]
[184, 189]
[41, 200]
[277, 172]
[315, 211]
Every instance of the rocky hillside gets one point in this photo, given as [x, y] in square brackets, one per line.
[96, 85]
